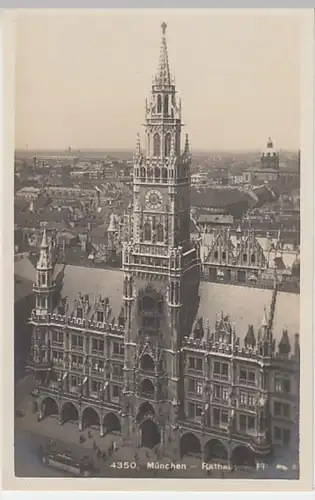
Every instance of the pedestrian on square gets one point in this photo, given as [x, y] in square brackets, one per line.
[89, 434]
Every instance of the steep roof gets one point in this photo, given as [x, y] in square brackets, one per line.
[94, 282]
[22, 288]
[23, 268]
[219, 197]
[245, 306]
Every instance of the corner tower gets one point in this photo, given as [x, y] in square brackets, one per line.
[161, 269]
[45, 287]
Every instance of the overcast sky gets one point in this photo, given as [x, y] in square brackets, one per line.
[82, 79]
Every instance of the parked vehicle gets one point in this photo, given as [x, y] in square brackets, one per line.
[65, 462]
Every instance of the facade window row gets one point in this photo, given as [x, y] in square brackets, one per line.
[220, 418]
[245, 257]
[220, 370]
[77, 343]
[92, 387]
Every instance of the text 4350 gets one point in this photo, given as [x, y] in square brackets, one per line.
[124, 465]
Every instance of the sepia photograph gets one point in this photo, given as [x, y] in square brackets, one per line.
[157, 245]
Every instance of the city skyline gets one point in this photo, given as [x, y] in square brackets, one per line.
[243, 81]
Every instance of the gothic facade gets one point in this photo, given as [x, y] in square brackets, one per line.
[154, 369]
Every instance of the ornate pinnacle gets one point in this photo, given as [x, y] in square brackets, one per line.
[138, 150]
[163, 26]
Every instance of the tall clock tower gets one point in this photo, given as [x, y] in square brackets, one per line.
[161, 272]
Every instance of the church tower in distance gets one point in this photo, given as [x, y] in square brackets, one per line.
[161, 272]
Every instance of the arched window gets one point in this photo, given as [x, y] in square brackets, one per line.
[157, 173]
[150, 174]
[147, 232]
[159, 233]
[156, 145]
[147, 363]
[215, 255]
[159, 104]
[148, 303]
[142, 174]
[244, 257]
[166, 105]
[164, 174]
[167, 144]
[253, 259]
[223, 255]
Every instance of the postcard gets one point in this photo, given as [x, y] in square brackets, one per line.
[159, 329]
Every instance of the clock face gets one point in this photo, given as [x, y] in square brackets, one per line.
[153, 199]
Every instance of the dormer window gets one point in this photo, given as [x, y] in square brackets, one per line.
[215, 255]
[100, 316]
[79, 312]
[223, 255]
[244, 257]
[253, 259]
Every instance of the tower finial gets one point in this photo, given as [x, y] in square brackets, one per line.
[45, 255]
[44, 243]
[163, 76]
[269, 143]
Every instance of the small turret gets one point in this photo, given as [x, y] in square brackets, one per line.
[45, 286]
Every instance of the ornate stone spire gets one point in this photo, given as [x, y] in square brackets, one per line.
[186, 149]
[112, 228]
[264, 322]
[269, 143]
[45, 257]
[163, 76]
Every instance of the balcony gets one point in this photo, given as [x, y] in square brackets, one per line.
[40, 365]
[76, 348]
[76, 368]
[98, 353]
[43, 289]
[220, 376]
[247, 383]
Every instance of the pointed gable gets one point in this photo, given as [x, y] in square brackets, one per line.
[222, 250]
[250, 340]
[284, 345]
[250, 252]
